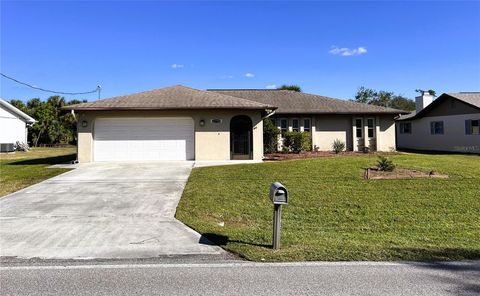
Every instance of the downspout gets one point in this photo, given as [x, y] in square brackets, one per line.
[74, 117]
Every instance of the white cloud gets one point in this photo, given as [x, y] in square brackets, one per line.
[345, 51]
[177, 66]
[271, 86]
[249, 75]
[229, 76]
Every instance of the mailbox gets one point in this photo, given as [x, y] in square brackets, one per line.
[278, 194]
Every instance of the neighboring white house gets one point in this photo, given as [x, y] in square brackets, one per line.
[13, 125]
[451, 123]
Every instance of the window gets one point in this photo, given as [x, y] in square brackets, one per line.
[306, 125]
[359, 127]
[371, 127]
[405, 127]
[472, 127]
[295, 125]
[283, 126]
[436, 127]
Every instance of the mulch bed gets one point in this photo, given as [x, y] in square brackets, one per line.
[312, 154]
[400, 173]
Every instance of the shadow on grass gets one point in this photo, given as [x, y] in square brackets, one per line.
[446, 254]
[46, 160]
[214, 239]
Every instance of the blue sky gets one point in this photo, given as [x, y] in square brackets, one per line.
[328, 48]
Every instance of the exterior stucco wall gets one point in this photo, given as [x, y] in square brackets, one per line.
[454, 138]
[212, 141]
[329, 128]
[386, 141]
[12, 128]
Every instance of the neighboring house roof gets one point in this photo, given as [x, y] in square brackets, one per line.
[292, 102]
[470, 98]
[171, 98]
[16, 111]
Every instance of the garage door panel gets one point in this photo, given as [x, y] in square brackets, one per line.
[131, 139]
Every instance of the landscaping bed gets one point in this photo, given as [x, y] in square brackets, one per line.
[400, 173]
[333, 214]
[316, 154]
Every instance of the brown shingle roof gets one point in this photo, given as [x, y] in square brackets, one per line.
[472, 98]
[171, 98]
[291, 102]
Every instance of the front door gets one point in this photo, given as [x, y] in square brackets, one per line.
[241, 138]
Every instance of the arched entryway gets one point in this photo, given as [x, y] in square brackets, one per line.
[241, 139]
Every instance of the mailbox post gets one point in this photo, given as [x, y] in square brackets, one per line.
[279, 197]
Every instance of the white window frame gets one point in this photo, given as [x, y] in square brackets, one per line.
[371, 128]
[298, 128]
[357, 128]
[280, 125]
[309, 122]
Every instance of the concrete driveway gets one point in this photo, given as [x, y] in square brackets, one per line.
[101, 210]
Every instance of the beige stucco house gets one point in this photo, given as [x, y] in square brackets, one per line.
[181, 123]
[450, 123]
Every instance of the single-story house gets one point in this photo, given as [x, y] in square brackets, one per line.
[450, 123]
[14, 126]
[182, 123]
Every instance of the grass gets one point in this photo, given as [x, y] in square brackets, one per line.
[21, 169]
[333, 214]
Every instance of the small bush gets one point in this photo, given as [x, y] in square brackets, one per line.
[385, 164]
[306, 141]
[338, 146]
[297, 141]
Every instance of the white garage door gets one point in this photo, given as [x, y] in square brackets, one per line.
[138, 139]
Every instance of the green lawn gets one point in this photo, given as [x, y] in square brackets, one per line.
[334, 214]
[21, 169]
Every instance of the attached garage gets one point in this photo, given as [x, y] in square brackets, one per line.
[171, 123]
[143, 139]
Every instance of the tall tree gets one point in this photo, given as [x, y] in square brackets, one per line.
[383, 98]
[52, 126]
[402, 103]
[293, 87]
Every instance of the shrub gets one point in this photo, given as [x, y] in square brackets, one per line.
[385, 164]
[270, 136]
[306, 141]
[297, 141]
[338, 146]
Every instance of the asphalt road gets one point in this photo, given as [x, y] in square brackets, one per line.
[349, 278]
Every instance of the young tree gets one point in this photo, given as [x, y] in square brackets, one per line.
[293, 87]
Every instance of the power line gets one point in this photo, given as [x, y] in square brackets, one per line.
[53, 91]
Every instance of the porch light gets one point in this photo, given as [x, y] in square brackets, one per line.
[202, 122]
[84, 123]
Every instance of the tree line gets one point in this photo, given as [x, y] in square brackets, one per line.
[53, 126]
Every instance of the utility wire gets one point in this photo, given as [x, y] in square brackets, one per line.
[53, 91]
